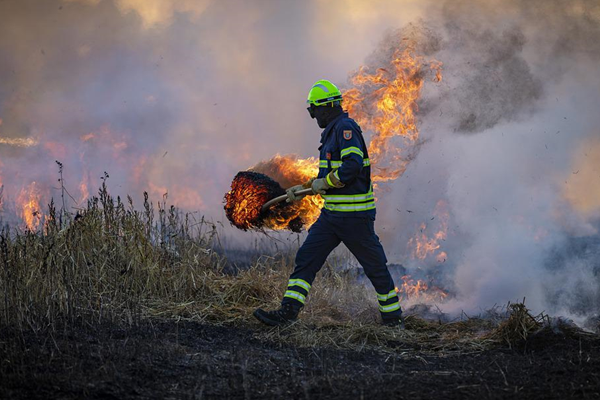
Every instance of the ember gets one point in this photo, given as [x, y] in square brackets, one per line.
[249, 192]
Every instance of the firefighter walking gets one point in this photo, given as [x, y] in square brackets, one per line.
[348, 215]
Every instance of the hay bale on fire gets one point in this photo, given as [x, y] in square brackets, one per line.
[250, 192]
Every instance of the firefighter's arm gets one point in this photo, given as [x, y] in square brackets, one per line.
[352, 155]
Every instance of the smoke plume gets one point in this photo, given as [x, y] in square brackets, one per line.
[520, 84]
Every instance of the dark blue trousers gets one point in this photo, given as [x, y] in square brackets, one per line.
[358, 234]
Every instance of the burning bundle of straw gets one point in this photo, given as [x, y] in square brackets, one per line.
[249, 192]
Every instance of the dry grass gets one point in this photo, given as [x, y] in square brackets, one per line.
[119, 265]
[518, 326]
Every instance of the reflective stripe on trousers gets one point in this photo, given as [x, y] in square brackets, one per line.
[358, 234]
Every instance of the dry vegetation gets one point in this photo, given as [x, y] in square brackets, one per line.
[112, 263]
[112, 268]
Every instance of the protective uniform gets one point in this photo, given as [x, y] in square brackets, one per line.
[348, 216]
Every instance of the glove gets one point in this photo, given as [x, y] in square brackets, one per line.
[320, 186]
[291, 193]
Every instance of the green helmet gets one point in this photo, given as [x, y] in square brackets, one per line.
[323, 92]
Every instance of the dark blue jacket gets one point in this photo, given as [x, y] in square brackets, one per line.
[343, 150]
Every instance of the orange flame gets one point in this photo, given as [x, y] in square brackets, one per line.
[388, 110]
[423, 245]
[385, 102]
[419, 291]
[83, 190]
[19, 142]
[28, 203]
[289, 171]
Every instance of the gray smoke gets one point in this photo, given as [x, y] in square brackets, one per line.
[522, 77]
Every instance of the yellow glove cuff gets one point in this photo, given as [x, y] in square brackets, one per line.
[333, 180]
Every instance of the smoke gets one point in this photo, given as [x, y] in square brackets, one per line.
[508, 134]
[178, 96]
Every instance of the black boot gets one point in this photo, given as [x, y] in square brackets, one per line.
[394, 322]
[285, 315]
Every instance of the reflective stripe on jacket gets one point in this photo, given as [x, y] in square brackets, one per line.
[343, 150]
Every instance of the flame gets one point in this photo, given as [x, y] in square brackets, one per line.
[19, 142]
[84, 189]
[419, 291]
[422, 245]
[288, 171]
[385, 101]
[28, 203]
[87, 137]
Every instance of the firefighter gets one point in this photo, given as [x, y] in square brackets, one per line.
[348, 215]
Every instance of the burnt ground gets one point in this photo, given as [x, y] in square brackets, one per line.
[194, 360]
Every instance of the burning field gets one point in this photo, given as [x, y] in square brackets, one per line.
[142, 144]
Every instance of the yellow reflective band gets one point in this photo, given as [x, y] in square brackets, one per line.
[390, 308]
[337, 164]
[384, 297]
[335, 173]
[295, 295]
[299, 282]
[329, 181]
[323, 164]
[350, 207]
[354, 150]
[348, 198]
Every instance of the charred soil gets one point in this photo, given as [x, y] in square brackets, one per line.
[168, 359]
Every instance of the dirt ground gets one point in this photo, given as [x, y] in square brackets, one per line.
[197, 361]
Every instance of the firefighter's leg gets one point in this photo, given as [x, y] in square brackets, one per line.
[311, 256]
[360, 238]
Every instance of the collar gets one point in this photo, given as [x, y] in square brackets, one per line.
[330, 126]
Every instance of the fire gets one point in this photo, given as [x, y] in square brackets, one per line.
[266, 180]
[83, 190]
[289, 171]
[87, 137]
[250, 190]
[244, 201]
[419, 291]
[19, 142]
[29, 204]
[422, 245]
[385, 101]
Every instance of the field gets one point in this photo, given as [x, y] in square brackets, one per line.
[120, 303]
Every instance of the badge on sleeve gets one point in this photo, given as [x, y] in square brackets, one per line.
[328, 156]
[347, 135]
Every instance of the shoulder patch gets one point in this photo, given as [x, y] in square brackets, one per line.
[347, 135]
